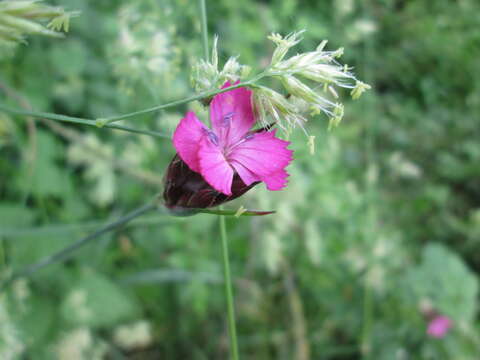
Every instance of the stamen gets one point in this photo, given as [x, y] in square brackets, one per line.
[227, 119]
[211, 136]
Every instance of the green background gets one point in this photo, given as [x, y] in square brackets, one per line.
[384, 217]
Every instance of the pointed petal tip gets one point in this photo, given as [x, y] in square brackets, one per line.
[277, 181]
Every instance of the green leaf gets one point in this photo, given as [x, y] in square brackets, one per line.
[15, 215]
[95, 301]
[25, 250]
[34, 318]
[44, 178]
[445, 280]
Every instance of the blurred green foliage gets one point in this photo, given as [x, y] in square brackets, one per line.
[384, 216]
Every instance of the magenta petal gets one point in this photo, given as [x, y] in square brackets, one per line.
[231, 114]
[265, 157]
[439, 326]
[186, 139]
[214, 167]
[276, 181]
[246, 175]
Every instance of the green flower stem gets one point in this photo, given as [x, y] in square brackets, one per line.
[371, 210]
[367, 319]
[232, 330]
[67, 252]
[106, 122]
[2, 254]
[235, 212]
[203, 11]
[76, 120]
[15, 232]
[179, 102]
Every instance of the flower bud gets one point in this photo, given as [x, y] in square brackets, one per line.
[186, 191]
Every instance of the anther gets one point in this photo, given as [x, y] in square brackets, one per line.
[227, 119]
[211, 136]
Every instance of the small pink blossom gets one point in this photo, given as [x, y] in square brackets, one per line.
[439, 326]
[231, 146]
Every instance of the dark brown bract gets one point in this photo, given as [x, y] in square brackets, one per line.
[186, 190]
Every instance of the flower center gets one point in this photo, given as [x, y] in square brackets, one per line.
[230, 148]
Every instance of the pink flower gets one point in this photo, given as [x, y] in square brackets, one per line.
[439, 326]
[231, 147]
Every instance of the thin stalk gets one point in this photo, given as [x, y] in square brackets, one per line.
[13, 233]
[67, 252]
[370, 192]
[235, 213]
[232, 329]
[106, 122]
[367, 319]
[77, 120]
[203, 17]
[178, 102]
[2, 254]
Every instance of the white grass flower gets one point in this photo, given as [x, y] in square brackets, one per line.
[284, 112]
[207, 76]
[311, 77]
[75, 345]
[283, 45]
[143, 50]
[11, 345]
[310, 81]
[132, 336]
[359, 89]
[28, 17]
